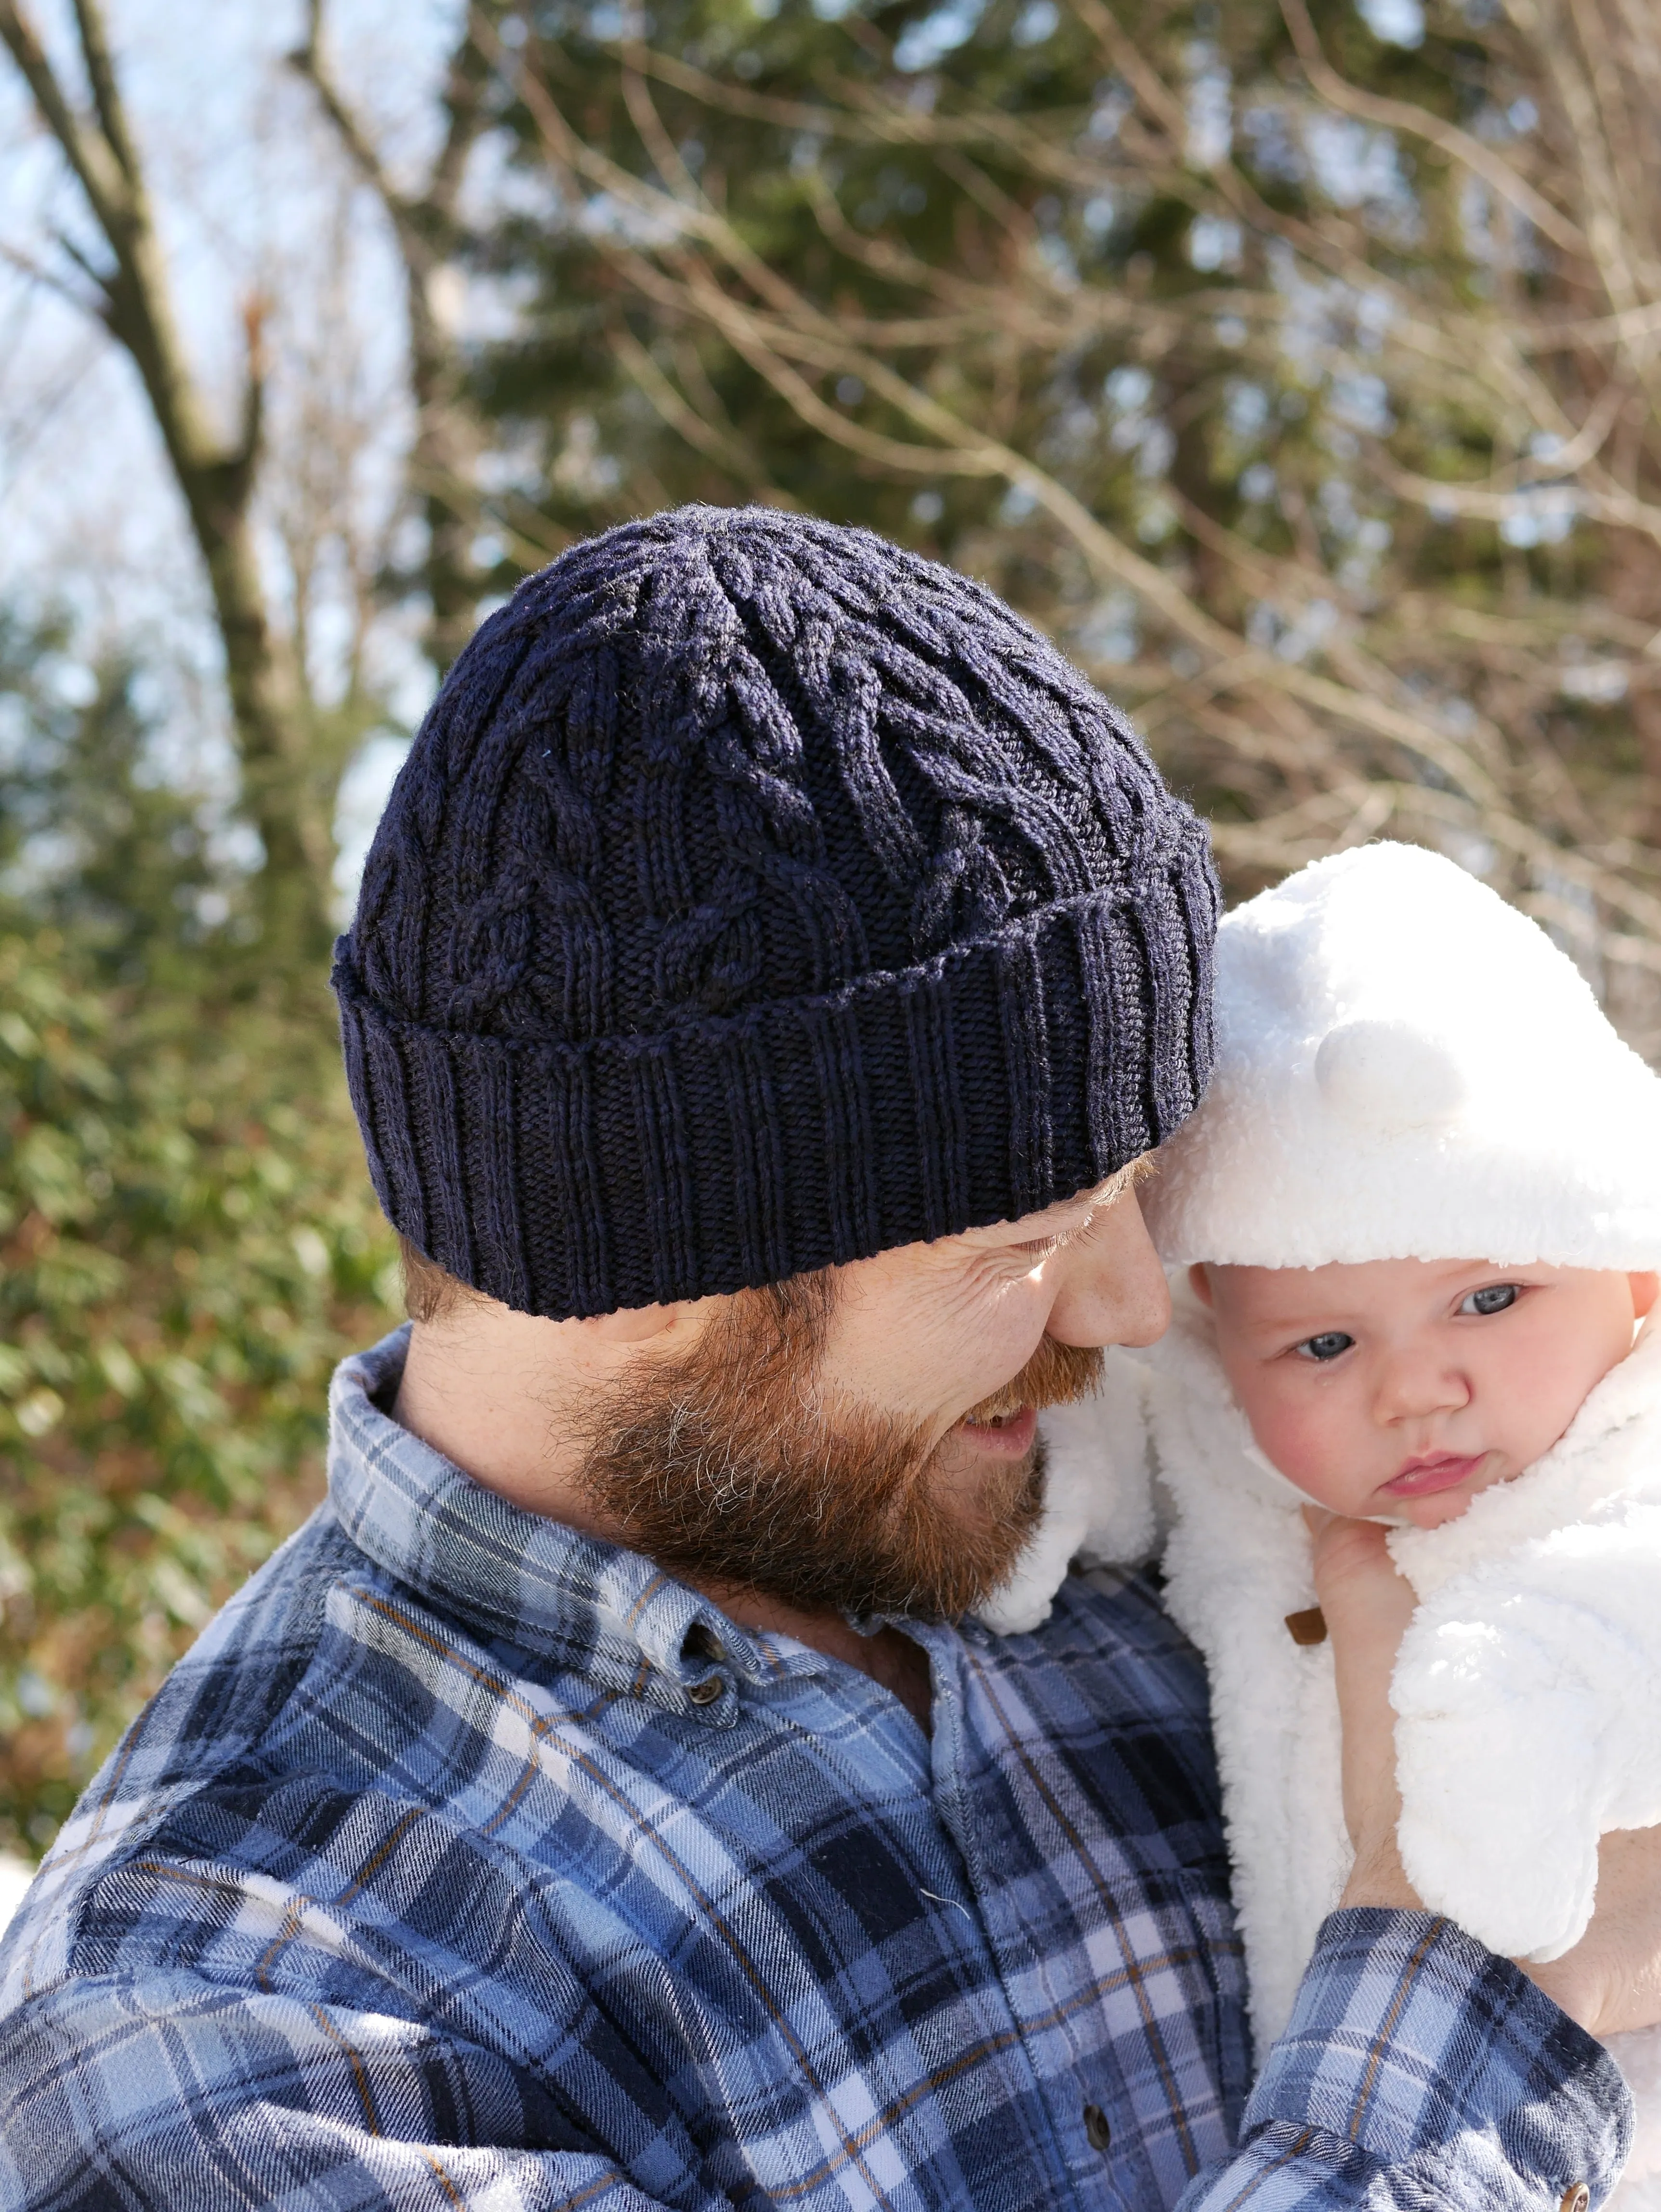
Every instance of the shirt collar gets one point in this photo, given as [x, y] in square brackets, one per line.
[520, 1577]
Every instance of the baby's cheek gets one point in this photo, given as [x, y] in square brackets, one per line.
[1536, 1377]
[1318, 1478]
[1308, 1446]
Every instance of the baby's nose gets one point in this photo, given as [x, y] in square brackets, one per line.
[1412, 1387]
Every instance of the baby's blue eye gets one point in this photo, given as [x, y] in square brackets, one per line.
[1492, 1298]
[1327, 1346]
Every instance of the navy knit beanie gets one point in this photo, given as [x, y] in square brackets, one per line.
[758, 896]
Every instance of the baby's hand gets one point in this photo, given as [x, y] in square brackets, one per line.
[1611, 1980]
[1367, 1607]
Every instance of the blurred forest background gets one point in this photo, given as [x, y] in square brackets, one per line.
[1294, 362]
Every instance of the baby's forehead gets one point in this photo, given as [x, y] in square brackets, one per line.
[1246, 1294]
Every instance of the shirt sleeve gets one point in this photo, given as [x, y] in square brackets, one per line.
[1418, 2069]
[169, 2091]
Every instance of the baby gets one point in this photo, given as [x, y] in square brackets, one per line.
[1413, 1233]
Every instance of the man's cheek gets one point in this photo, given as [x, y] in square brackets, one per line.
[912, 1353]
[960, 1367]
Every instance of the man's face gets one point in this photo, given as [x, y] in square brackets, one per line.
[865, 1441]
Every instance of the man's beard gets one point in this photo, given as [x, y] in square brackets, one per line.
[724, 1468]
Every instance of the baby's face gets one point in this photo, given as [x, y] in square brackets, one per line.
[1403, 1387]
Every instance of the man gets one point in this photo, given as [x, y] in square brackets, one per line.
[772, 965]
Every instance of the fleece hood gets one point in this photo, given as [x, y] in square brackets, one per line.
[1408, 1068]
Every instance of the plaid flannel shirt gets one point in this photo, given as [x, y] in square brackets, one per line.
[467, 1862]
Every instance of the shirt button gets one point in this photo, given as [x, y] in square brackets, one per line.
[1097, 2128]
[706, 1692]
[1578, 2199]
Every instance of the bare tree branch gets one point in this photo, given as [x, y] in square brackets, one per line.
[1333, 707]
[1418, 123]
[431, 246]
[215, 474]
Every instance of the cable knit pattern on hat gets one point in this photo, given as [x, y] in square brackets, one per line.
[758, 896]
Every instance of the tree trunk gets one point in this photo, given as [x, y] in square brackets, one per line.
[216, 477]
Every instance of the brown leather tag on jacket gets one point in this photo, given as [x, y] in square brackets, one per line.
[1307, 1627]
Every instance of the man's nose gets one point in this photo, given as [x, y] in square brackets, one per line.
[1110, 1286]
[1415, 1383]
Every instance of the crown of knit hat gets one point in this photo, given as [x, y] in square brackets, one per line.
[1408, 1068]
[758, 896]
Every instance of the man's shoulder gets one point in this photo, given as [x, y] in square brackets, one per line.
[223, 1696]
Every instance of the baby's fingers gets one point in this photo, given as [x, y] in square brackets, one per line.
[1350, 1556]
[1367, 1607]
[1366, 1603]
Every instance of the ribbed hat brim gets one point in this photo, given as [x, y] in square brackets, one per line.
[980, 1086]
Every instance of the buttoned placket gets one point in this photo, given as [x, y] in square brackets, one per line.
[761, 1672]
[1074, 2107]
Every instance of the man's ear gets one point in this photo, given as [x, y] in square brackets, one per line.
[1199, 1281]
[1645, 1289]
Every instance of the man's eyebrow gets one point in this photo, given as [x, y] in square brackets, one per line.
[1127, 1177]
[1082, 1205]
[1109, 1193]
[1089, 1202]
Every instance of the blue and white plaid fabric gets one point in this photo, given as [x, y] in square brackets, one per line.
[466, 1863]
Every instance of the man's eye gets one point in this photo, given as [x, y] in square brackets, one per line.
[1492, 1298]
[1327, 1346]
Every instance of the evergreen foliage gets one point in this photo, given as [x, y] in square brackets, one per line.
[187, 1239]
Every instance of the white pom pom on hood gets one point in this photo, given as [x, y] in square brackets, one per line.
[1408, 1068]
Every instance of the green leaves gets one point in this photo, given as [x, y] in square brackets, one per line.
[187, 1244]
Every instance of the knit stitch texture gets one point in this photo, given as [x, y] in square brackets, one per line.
[757, 896]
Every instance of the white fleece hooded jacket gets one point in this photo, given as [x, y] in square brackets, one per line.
[1528, 1689]
[1407, 1068]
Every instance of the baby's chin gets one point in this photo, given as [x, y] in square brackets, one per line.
[1433, 1512]
[1404, 1513]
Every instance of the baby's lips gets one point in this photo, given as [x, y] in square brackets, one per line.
[1423, 1477]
